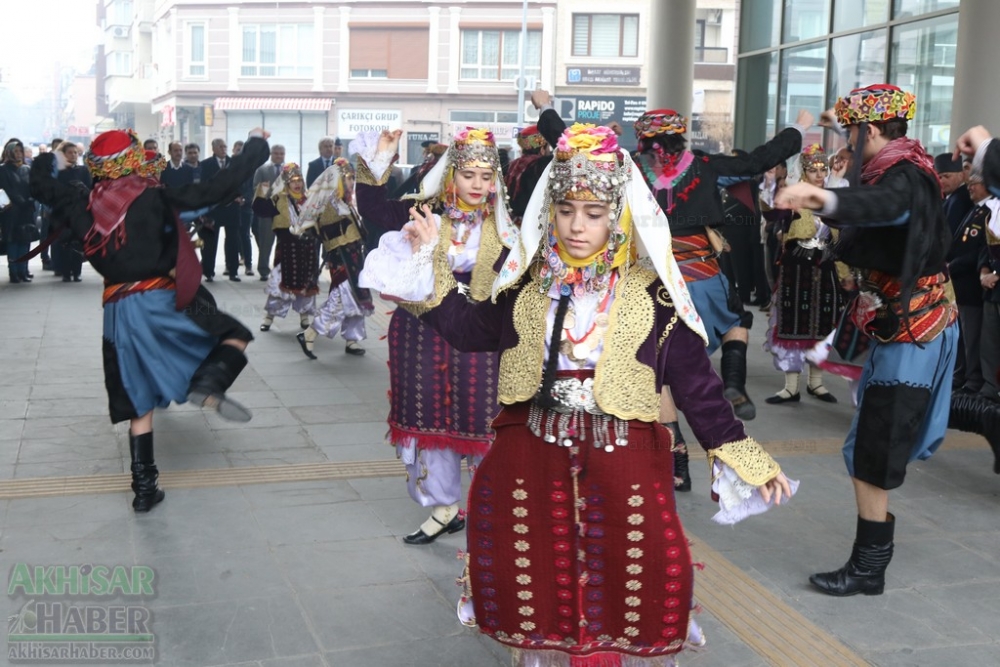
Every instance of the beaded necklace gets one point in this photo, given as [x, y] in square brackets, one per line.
[470, 219]
[578, 281]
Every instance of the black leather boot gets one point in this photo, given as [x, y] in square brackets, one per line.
[682, 477]
[974, 414]
[865, 571]
[215, 375]
[734, 377]
[144, 472]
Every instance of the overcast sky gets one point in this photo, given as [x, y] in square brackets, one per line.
[39, 33]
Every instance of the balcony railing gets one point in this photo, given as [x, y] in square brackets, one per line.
[711, 54]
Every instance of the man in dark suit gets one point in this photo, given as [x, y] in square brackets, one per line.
[323, 162]
[178, 172]
[957, 202]
[225, 217]
[263, 180]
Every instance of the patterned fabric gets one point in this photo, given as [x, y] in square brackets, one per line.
[577, 549]
[441, 398]
[878, 310]
[109, 203]
[660, 121]
[808, 299]
[875, 104]
[695, 256]
[893, 153]
[299, 260]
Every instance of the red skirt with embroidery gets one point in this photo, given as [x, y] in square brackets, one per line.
[577, 549]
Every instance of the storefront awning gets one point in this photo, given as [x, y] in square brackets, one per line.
[272, 104]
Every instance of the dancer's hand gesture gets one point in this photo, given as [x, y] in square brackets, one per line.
[777, 488]
[389, 141]
[422, 229]
[801, 195]
[969, 142]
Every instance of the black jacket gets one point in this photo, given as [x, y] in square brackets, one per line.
[18, 219]
[967, 244]
[524, 173]
[227, 212]
[315, 169]
[956, 206]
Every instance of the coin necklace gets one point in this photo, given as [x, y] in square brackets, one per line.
[579, 349]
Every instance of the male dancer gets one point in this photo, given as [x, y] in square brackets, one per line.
[894, 235]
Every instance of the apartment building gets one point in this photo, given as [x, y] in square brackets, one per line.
[193, 70]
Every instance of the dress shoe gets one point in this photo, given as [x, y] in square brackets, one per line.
[826, 396]
[250, 272]
[77, 279]
[263, 279]
[234, 279]
[15, 280]
[421, 538]
[226, 272]
[778, 398]
[301, 337]
[354, 348]
[27, 278]
[67, 278]
[209, 279]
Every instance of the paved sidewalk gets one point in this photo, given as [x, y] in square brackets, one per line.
[313, 573]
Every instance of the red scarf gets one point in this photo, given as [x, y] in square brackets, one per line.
[892, 154]
[109, 203]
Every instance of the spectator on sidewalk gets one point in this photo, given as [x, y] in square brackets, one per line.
[18, 217]
[263, 182]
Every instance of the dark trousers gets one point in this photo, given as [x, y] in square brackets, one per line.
[265, 241]
[989, 350]
[16, 249]
[209, 250]
[970, 321]
[57, 252]
[246, 245]
[70, 260]
[232, 246]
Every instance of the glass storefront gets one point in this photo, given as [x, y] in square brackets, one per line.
[797, 54]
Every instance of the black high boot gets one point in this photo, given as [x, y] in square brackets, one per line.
[144, 472]
[215, 375]
[734, 376]
[865, 571]
[974, 414]
[682, 478]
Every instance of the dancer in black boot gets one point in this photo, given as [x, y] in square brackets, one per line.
[215, 375]
[682, 477]
[144, 472]
[973, 413]
[165, 340]
[894, 236]
[734, 377]
[865, 571]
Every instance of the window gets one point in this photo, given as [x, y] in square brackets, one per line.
[389, 53]
[850, 14]
[922, 61]
[195, 50]
[805, 19]
[282, 50]
[483, 117]
[908, 8]
[369, 74]
[121, 13]
[495, 55]
[606, 35]
[803, 84]
[760, 24]
[119, 63]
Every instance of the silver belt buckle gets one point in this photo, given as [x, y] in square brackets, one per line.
[573, 395]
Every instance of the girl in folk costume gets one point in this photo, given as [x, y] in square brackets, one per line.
[442, 400]
[807, 301]
[576, 553]
[164, 338]
[331, 205]
[293, 283]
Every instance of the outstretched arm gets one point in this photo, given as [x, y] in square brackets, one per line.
[787, 143]
[371, 190]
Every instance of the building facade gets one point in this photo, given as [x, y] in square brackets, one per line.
[807, 53]
[194, 70]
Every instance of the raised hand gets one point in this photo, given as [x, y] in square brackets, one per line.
[801, 195]
[422, 229]
[541, 98]
[389, 141]
[828, 119]
[259, 132]
[805, 119]
[970, 142]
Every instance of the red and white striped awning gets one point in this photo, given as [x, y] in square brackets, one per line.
[273, 104]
